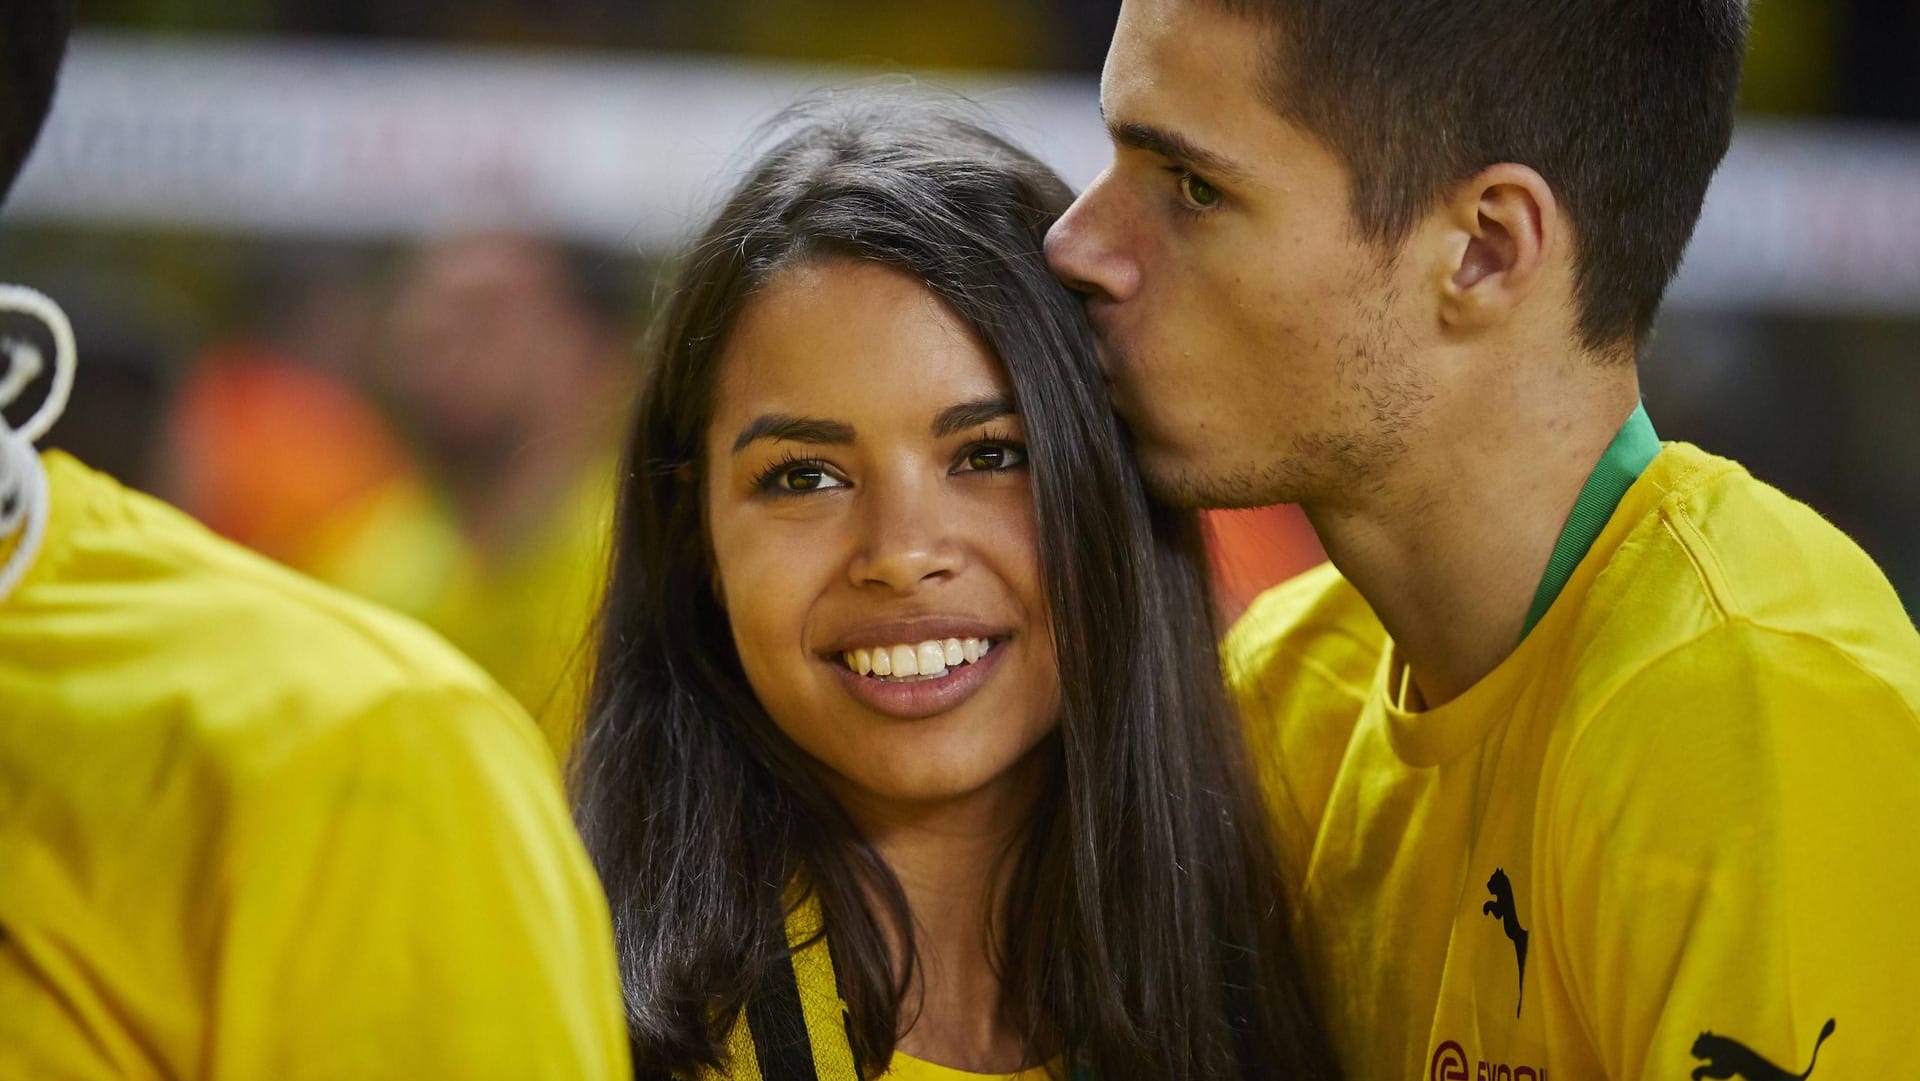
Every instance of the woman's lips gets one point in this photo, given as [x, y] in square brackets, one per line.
[921, 697]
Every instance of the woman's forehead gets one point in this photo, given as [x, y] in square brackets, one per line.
[856, 342]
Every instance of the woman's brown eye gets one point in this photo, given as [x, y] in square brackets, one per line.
[803, 480]
[987, 459]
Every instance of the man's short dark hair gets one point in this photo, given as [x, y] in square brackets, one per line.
[33, 41]
[1624, 106]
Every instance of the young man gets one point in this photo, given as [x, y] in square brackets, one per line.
[1593, 757]
[250, 828]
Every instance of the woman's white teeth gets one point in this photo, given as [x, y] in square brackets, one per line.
[932, 659]
[928, 660]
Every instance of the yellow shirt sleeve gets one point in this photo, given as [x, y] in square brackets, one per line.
[1738, 862]
[396, 895]
[251, 828]
[408, 900]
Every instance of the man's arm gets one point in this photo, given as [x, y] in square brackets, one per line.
[1734, 863]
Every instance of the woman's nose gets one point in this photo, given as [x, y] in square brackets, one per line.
[908, 538]
[1084, 246]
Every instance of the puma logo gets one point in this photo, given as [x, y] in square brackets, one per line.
[1727, 1057]
[1501, 908]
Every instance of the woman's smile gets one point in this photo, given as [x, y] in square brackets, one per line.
[907, 664]
[915, 667]
[930, 686]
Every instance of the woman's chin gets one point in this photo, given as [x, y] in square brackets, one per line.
[921, 779]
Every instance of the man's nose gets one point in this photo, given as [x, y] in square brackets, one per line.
[1086, 247]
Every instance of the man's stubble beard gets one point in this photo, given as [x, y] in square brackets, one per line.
[1382, 398]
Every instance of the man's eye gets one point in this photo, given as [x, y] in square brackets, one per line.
[996, 456]
[1198, 194]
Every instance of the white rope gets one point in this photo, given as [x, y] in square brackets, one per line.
[23, 480]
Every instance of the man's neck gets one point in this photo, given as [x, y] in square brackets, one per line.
[1450, 552]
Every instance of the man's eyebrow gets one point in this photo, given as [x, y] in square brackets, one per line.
[958, 418]
[1174, 147]
[794, 429]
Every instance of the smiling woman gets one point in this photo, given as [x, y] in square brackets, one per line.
[897, 521]
[907, 753]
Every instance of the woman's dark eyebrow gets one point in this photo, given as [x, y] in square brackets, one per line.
[958, 418]
[794, 429]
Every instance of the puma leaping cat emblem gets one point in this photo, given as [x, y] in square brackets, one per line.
[1726, 1057]
[1501, 908]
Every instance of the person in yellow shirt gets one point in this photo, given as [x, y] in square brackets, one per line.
[1591, 757]
[249, 827]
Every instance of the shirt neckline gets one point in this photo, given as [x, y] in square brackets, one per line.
[1430, 737]
[1633, 449]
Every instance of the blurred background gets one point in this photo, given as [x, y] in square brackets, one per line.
[358, 282]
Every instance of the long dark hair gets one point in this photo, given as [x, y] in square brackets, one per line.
[1147, 935]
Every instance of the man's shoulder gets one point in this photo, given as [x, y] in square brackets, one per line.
[1300, 665]
[151, 607]
[1761, 553]
[1314, 627]
[1728, 617]
[1714, 547]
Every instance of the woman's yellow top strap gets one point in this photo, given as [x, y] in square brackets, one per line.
[795, 1026]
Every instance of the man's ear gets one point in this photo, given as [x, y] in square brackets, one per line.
[1502, 228]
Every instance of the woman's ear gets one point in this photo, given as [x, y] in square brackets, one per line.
[1501, 231]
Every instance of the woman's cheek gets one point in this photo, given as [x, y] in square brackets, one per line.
[769, 585]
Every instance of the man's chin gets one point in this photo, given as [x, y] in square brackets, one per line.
[1173, 481]
[1181, 483]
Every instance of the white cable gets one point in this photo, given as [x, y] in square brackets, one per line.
[23, 480]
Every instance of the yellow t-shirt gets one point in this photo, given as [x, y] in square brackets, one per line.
[1675, 830]
[251, 828]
